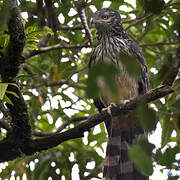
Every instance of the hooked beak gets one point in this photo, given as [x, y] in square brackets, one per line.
[92, 21]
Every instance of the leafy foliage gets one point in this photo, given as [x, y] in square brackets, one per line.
[3, 90]
[53, 80]
[141, 155]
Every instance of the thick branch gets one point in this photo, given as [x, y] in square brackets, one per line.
[37, 145]
[32, 146]
[12, 57]
[18, 137]
[78, 131]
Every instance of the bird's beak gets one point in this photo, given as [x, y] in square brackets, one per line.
[92, 21]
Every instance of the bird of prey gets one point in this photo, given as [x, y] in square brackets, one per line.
[123, 130]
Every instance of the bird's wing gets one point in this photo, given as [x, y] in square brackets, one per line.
[124, 130]
[144, 78]
[92, 59]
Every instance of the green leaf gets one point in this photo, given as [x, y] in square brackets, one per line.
[167, 129]
[130, 64]
[6, 99]
[146, 146]
[142, 161]
[20, 76]
[101, 78]
[176, 104]
[13, 93]
[14, 84]
[153, 6]
[173, 178]
[3, 87]
[147, 117]
[42, 167]
[168, 157]
[4, 39]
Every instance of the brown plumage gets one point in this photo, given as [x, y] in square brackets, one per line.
[123, 130]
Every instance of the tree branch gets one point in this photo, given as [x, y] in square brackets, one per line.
[45, 143]
[3, 109]
[80, 27]
[30, 53]
[57, 83]
[94, 172]
[136, 21]
[159, 44]
[5, 125]
[63, 126]
[171, 75]
[80, 6]
[19, 141]
[18, 137]
[41, 50]
[32, 146]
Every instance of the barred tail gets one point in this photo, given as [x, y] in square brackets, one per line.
[117, 165]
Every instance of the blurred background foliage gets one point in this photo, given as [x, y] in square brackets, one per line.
[53, 82]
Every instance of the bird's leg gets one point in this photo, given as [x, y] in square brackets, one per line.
[125, 101]
[108, 108]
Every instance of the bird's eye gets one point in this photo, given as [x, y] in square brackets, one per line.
[104, 17]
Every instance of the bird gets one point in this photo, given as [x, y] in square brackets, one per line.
[115, 47]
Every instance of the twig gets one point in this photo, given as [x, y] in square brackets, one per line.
[80, 27]
[174, 70]
[94, 172]
[41, 50]
[76, 119]
[63, 126]
[159, 44]
[45, 82]
[3, 109]
[51, 16]
[80, 6]
[136, 21]
[5, 125]
[77, 71]
[57, 83]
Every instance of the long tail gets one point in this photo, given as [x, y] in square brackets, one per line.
[117, 165]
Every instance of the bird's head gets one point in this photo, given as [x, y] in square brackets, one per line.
[106, 19]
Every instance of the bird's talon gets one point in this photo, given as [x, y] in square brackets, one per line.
[125, 101]
[109, 108]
